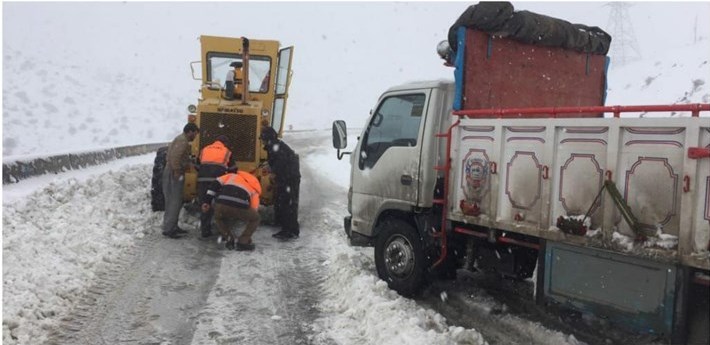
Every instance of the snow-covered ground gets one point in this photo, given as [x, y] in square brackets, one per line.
[59, 230]
[680, 76]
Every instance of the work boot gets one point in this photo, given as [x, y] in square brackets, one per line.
[245, 247]
[171, 234]
[206, 234]
[230, 244]
[177, 230]
[285, 235]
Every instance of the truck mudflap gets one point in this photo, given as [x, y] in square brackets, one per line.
[638, 294]
[356, 239]
[347, 225]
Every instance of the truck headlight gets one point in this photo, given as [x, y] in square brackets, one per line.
[191, 108]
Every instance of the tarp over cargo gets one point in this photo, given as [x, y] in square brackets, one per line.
[499, 19]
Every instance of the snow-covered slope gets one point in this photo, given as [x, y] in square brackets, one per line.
[678, 76]
[72, 105]
[94, 75]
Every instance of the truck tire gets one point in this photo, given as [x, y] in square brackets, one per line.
[157, 199]
[399, 257]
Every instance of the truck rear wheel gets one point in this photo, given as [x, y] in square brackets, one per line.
[157, 199]
[399, 257]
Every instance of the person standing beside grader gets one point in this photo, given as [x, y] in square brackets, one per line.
[178, 162]
[284, 164]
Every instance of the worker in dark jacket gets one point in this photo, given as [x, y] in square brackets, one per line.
[215, 158]
[283, 162]
[178, 162]
[236, 197]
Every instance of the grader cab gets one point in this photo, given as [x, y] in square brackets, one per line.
[244, 86]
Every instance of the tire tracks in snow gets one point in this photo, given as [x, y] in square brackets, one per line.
[150, 297]
[271, 295]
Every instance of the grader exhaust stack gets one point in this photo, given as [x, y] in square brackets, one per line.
[245, 61]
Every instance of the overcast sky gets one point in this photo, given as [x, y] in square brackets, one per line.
[346, 53]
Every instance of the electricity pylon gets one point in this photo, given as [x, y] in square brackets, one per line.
[624, 47]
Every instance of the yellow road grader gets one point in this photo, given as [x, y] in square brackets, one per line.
[235, 109]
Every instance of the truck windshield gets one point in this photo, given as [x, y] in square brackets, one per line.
[259, 67]
[396, 123]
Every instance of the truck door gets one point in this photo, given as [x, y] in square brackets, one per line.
[386, 161]
[283, 80]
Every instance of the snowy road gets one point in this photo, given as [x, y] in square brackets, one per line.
[101, 274]
[193, 291]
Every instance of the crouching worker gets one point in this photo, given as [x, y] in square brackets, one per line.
[236, 197]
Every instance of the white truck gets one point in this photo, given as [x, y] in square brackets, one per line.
[513, 168]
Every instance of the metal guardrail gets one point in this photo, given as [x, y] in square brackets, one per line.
[14, 171]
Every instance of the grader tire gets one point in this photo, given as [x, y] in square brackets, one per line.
[157, 199]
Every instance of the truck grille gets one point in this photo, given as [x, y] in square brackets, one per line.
[240, 129]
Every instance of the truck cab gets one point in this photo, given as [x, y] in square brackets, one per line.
[392, 162]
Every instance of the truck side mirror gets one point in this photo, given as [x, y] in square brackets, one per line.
[340, 134]
[340, 137]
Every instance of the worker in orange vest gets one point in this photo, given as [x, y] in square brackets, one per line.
[215, 159]
[236, 197]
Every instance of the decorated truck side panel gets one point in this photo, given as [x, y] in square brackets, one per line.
[521, 175]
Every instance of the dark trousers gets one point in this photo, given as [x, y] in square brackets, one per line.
[205, 217]
[286, 205]
[226, 218]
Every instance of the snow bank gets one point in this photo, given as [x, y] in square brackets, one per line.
[56, 241]
[361, 308]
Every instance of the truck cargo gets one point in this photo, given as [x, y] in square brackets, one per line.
[517, 167]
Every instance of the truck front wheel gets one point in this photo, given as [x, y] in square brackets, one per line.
[399, 257]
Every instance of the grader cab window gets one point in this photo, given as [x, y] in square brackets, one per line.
[259, 67]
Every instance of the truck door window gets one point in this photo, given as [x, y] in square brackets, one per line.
[259, 67]
[395, 123]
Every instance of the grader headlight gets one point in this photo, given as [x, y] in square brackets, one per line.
[192, 109]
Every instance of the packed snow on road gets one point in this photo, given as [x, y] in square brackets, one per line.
[84, 262]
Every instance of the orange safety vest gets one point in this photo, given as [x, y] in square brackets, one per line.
[242, 180]
[251, 180]
[215, 153]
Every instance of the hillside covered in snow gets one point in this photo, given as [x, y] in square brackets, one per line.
[64, 92]
[680, 76]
